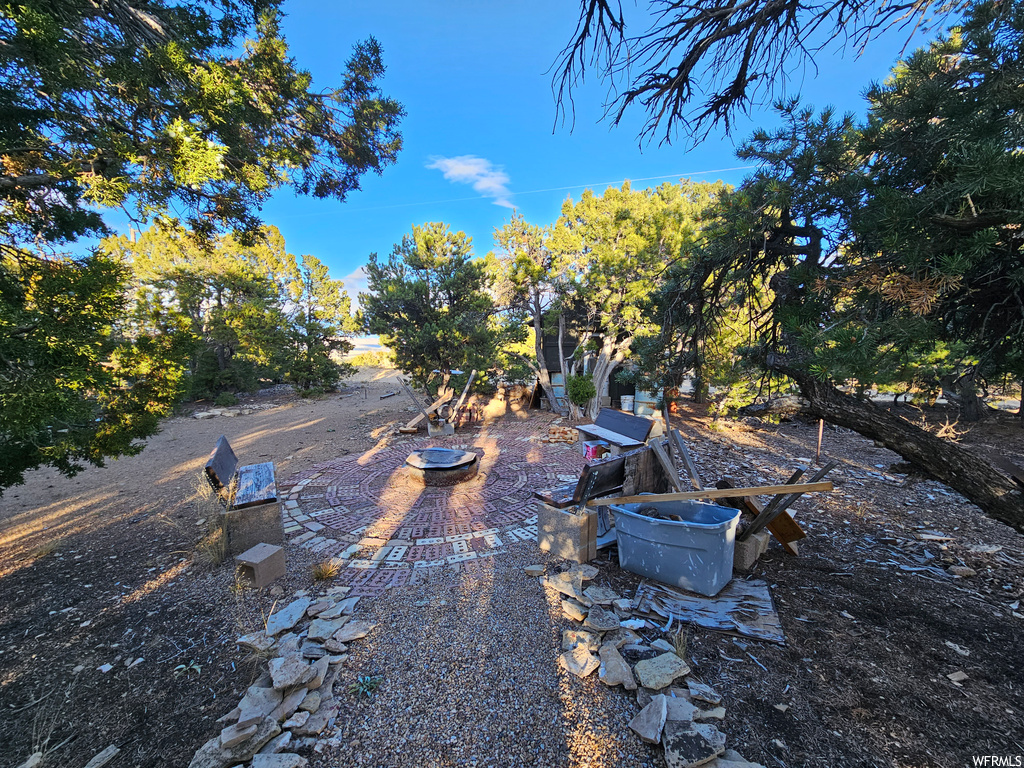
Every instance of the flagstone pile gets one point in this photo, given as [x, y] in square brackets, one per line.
[677, 712]
[292, 703]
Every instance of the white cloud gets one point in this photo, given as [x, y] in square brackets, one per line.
[355, 283]
[486, 178]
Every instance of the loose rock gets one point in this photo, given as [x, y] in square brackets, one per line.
[574, 610]
[534, 570]
[322, 629]
[614, 670]
[702, 692]
[691, 744]
[354, 630]
[213, 755]
[579, 661]
[258, 641]
[661, 671]
[602, 620]
[287, 617]
[649, 723]
[600, 595]
[573, 637]
[289, 671]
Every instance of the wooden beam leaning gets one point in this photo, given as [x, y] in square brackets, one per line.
[666, 463]
[465, 391]
[691, 468]
[784, 528]
[795, 492]
[423, 414]
[716, 493]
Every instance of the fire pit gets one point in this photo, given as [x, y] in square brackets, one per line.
[442, 466]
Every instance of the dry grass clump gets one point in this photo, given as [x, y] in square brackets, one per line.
[326, 569]
[212, 549]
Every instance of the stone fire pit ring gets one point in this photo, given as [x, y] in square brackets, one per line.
[442, 467]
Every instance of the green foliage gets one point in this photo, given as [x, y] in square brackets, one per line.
[237, 314]
[74, 385]
[882, 253]
[365, 685]
[225, 400]
[374, 358]
[197, 104]
[611, 254]
[430, 304]
[152, 107]
[580, 389]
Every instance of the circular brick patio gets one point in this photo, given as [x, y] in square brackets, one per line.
[387, 529]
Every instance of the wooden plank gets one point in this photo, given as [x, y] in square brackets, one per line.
[465, 391]
[636, 428]
[615, 438]
[666, 464]
[103, 757]
[784, 528]
[220, 467]
[255, 485]
[691, 468]
[414, 422]
[792, 479]
[718, 493]
[796, 491]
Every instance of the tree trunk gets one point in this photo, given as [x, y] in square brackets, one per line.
[998, 496]
[543, 375]
[608, 360]
[574, 411]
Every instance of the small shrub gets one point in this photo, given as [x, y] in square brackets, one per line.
[312, 393]
[365, 685]
[225, 400]
[580, 389]
[326, 569]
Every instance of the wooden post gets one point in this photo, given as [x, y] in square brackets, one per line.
[821, 431]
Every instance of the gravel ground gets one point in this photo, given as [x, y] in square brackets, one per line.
[469, 676]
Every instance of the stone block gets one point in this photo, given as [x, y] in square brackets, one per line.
[262, 564]
[746, 553]
[567, 535]
[247, 527]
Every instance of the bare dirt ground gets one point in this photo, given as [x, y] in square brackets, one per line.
[102, 569]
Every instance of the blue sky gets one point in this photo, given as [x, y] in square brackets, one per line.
[480, 134]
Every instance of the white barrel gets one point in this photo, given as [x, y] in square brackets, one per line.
[627, 403]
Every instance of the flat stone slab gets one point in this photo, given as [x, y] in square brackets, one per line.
[289, 671]
[574, 610]
[287, 617]
[214, 755]
[258, 641]
[648, 724]
[620, 637]
[600, 595]
[579, 661]
[354, 630]
[321, 629]
[703, 692]
[688, 745]
[614, 670]
[573, 637]
[661, 671]
[601, 620]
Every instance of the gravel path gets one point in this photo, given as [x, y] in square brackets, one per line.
[469, 677]
[466, 649]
